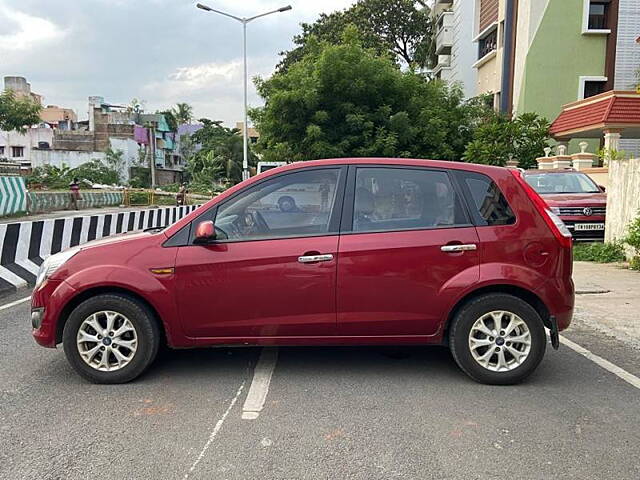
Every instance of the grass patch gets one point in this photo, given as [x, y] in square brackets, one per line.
[599, 252]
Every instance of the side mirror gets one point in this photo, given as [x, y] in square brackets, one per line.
[205, 232]
[602, 188]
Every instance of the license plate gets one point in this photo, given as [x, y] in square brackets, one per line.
[589, 226]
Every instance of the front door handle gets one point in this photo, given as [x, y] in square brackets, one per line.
[459, 248]
[315, 258]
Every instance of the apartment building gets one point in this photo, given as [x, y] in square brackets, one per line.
[537, 55]
[579, 47]
[454, 21]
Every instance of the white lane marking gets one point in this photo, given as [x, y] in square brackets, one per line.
[13, 304]
[606, 364]
[260, 385]
[214, 432]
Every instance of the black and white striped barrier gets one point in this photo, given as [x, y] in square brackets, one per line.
[25, 245]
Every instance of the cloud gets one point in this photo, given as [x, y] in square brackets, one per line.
[29, 31]
[162, 51]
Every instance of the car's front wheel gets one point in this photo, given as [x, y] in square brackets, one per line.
[497, 339]
[110, 338]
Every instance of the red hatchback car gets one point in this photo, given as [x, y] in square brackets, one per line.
[329, 252]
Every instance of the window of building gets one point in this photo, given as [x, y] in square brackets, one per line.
[598, 15]
[1, 149]
[392, 199]
[593, 88]
[488, 44]
[489, 207]
[590, 86]
[17, 152]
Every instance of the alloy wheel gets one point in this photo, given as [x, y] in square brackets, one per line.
[107, 341]
[500, 341]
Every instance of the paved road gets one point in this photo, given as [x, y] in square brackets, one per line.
[330, 413]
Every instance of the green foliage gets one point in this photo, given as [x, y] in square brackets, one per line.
[183, 112]
[17, 113]
[220, 159]
[599, 252]
[399, 29]
[345, 100]
[607, 154]
[59, 178]
[500, 138]
[140, 177]
[633, 240]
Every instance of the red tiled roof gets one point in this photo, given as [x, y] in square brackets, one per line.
[593, 112]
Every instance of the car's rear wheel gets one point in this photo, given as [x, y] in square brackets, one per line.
[110, 338]
[497, 339]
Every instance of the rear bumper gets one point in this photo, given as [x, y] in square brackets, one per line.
[559, 298]
[51, 299]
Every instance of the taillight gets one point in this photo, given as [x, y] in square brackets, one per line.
[557, 226]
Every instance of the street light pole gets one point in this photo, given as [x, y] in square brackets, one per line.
[245, 127]
[244, 21]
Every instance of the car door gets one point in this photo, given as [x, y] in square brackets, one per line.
[407, 248]
[272, 269]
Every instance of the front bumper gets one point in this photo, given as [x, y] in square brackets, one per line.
[49, 301]
[585, 235]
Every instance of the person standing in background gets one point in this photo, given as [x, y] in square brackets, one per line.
[74, 190]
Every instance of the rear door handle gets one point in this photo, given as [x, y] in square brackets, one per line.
[459, 248]
[315, 258]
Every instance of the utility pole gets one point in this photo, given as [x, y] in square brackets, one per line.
[244, 21]
[152, 148]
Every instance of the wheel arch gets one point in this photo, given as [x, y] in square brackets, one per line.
[104, 290]
[519, 292]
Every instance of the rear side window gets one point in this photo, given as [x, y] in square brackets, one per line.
[391, 199]
[486, 201]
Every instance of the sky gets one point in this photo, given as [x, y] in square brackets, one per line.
[159, 51]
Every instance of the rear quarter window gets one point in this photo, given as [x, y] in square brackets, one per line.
[487, 204]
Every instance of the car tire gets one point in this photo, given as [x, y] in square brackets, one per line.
[132, 324]
[474, 335]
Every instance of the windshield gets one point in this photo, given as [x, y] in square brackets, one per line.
[569, 182]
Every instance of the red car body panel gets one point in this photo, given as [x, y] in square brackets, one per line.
[279, 296]
[380, 288]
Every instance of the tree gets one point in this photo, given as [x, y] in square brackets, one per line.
[501, 138]
[402, 29]
[183, 113]
[220, 157]
[136, 106]
[171, 119]
[344, 100]
[17, 113]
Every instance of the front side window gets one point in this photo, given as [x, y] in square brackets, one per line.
[291, 205]
[570, 182]
[391, 199]
[488, 205]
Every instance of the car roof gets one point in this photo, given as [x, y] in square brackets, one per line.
[550, 170]
[412, 162]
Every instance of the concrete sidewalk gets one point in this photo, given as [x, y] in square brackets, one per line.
[608, 300]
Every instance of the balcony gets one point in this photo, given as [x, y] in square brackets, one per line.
[444, 36]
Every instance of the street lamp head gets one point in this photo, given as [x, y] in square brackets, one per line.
[203, 7]
[284, 9]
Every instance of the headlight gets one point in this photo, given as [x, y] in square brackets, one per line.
[52, 263]
[555, 210]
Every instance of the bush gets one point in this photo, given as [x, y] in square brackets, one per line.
[634, 263]
[60, 178]
[599, 252]
[633, 238]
